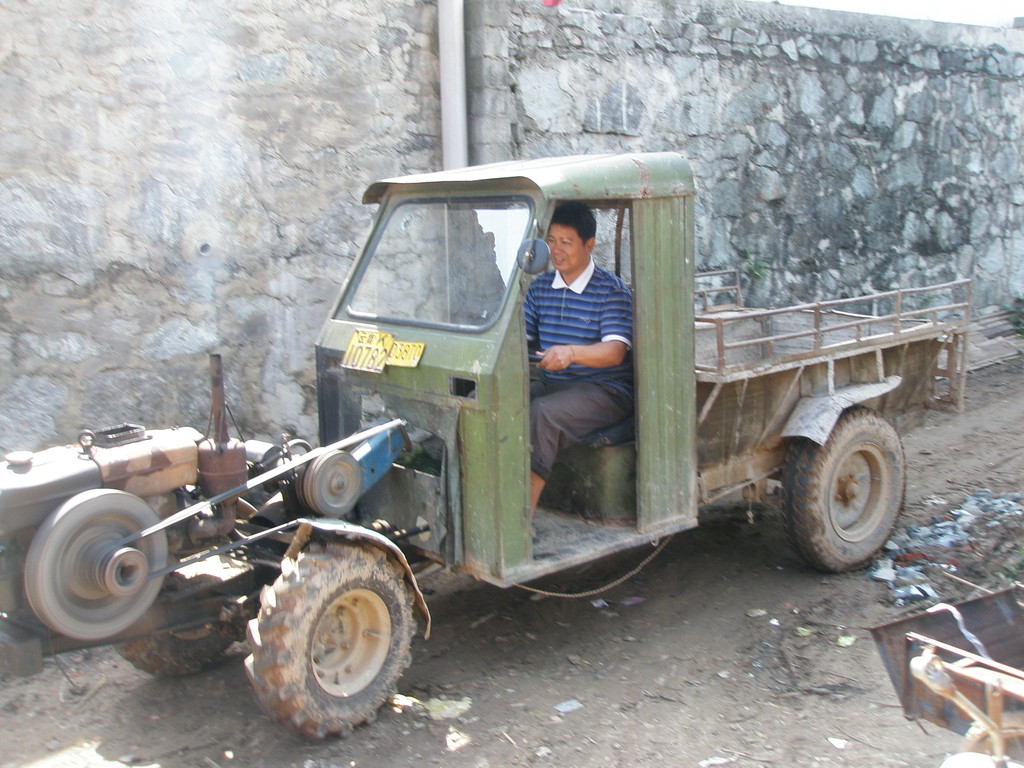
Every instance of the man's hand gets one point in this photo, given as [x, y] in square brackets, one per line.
[557, 358]
[601, 355]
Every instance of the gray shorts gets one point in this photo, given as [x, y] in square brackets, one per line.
[563, 414]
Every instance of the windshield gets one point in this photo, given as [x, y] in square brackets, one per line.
[442, 261]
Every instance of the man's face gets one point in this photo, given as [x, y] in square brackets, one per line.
[569, 254]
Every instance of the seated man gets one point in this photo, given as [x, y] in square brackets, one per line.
[581, 317]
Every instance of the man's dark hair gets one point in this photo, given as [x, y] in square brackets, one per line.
[578, 216]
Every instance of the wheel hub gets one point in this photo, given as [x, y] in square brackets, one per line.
[847, 488]
[351, 642]
[855, 493]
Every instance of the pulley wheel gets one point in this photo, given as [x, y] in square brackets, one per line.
[79, 579]
[332, 483]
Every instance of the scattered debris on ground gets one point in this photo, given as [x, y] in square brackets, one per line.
[978, 545]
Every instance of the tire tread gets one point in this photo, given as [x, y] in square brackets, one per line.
[277, 667]
[803, 491]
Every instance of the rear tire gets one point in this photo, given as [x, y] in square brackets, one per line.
[184, 652]
[331, 639]
[172, 654]
[840, 500]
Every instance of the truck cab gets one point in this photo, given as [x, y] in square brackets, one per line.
[429, 327]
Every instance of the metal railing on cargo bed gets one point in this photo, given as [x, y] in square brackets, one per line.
[734, 341]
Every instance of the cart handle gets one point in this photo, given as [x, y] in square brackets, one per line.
[931, 670]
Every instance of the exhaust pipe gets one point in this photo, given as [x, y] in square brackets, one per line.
[221, 463]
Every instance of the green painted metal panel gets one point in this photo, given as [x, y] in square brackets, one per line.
[495, 466]
[489, 454]
[663, 328]
[585, 177]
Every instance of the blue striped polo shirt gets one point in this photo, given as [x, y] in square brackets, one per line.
[602, 311]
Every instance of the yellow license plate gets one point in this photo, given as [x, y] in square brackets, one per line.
[371, 350]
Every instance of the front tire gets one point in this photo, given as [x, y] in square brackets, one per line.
[331, 639]
[840, 500]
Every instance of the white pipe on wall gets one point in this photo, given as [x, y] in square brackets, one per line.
[451, 44]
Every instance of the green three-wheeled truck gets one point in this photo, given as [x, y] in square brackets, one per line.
[173, 545]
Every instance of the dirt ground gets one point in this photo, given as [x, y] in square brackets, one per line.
[725, 650]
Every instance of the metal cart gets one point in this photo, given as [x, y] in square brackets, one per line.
[959, 666]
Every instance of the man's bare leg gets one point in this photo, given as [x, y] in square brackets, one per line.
[536, 486]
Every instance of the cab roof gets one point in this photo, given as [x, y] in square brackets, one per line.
[592, 177]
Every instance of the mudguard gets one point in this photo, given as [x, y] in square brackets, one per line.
[814, 417]
[341, 529]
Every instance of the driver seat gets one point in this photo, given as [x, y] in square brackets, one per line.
[597, 478]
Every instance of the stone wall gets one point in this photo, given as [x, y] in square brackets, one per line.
[179, 179]
[834, 153]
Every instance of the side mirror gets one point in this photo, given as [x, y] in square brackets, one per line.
[533, 256]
